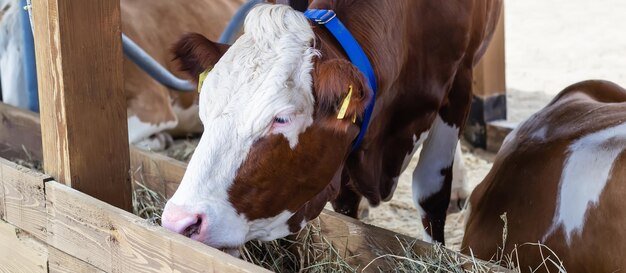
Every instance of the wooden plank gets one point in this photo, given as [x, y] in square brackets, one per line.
[116, 241]
[163, 175]
[489, 88]
[19, 129]
[360, 243]
[61, 262]
[490, 72]
[83, 110]
[20, 252]
[497, 132]
[24, 198]
[2, 203]
[158, 172]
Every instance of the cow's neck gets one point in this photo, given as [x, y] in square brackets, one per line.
[367, 24]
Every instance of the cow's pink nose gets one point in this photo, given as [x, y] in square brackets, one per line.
[177, 219]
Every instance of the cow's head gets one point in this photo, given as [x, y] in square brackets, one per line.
[272, 138]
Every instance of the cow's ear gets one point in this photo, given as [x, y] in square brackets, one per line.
[342, 92]
[195, 54]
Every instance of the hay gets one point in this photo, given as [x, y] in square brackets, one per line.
[30, 162]
[181, 150]
[311, 251]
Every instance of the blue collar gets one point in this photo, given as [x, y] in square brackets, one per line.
[329, 19]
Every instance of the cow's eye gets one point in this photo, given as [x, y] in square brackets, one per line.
[279, 120]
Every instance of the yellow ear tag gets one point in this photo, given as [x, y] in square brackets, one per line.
[344, 106]
[202, 77]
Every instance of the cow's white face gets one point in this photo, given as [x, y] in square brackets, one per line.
[267, 148]
[261, 86]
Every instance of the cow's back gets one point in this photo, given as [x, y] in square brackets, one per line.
[543, 175]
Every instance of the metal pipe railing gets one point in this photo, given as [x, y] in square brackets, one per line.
[140, 57]
[236, 23]
[133, 51]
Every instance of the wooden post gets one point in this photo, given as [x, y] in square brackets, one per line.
[489, 102]
[83, 104]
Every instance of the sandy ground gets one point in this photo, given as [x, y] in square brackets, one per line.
[549, 45]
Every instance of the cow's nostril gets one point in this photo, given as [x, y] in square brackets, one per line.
[194, 228]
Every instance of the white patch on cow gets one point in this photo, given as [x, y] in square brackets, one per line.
[460, 189]
[426, 237]
[585, 174]
[363, 211]
[417, 143]
[139, 133]
[437, 154]
[271, 228]
[467, 213]
[267, 71]
[12, 75]
[540, 134]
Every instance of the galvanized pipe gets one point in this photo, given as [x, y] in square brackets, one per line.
[152, 67]
[162, 75]
[133, 51]
[236, 23]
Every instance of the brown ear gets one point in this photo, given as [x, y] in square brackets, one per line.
[333, 79]
[195, 53]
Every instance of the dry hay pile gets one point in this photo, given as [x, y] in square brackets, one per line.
[310, 251]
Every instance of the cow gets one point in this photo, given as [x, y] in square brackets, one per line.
[275, 149]
[560, 177]
[155, 113]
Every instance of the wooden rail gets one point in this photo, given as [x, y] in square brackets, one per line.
[44, 222]
[358, 242]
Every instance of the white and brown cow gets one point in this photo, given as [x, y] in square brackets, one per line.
[561, 180]
[274, 153]
[152, 108]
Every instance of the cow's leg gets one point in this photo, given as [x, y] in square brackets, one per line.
[460, 191]
[432, 178]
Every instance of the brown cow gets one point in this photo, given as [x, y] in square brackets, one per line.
[274, 152]
[561, 180]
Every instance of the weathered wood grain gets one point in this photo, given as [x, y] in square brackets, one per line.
[2, 205]
[83, 103]
[20, 252]
[160, 173]
[490, 72]
[61, 262]
[116, 241]
[24, 198]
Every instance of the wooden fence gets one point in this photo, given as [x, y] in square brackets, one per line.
[53, 224]
[49, 227]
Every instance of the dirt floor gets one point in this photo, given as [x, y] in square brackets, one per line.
[549, 45]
